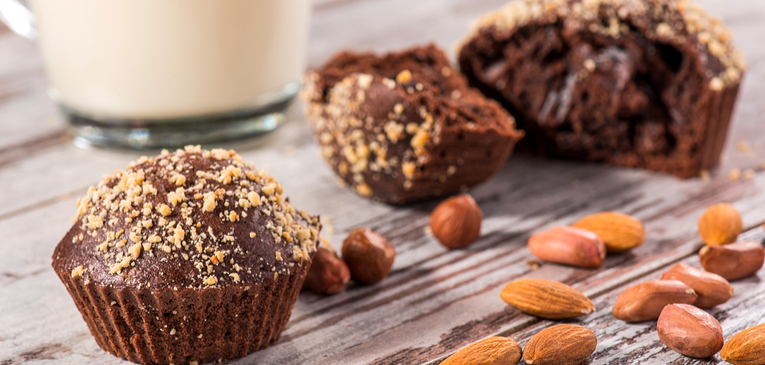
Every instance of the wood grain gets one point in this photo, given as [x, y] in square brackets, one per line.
[435, 300]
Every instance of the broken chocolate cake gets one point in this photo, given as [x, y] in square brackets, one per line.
[633, 83]
[405, 126]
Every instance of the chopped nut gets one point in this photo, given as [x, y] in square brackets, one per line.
[364, 190]
[734, 174]
[164, 209]
[716, 84]
[209, 203]
[404, 77]
[589, 65]
[77, 272]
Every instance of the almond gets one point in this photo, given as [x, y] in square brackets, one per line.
[568, 245]
[563, 344]
[619, 232]
[746, 347]
[689, 331]
[720, 224]
[734, 261]
[490, 351]
[712, 289]
[546, 299]
[645, 301]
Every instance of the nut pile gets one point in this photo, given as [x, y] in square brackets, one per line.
[675, 300]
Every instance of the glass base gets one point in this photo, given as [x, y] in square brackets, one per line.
[154, 134]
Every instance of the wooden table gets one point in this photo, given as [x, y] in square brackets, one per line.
[435, 301]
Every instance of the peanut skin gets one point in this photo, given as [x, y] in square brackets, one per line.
[645, 301]
[689, 331]
[734, 261]
[568, 245]
[712, 289]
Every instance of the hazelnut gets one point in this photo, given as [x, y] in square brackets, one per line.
[328, 274]
[456, 222]
[369, 256]
[720, 224]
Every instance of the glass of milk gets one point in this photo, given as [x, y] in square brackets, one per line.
[157, 73]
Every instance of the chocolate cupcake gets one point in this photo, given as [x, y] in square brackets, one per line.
[633, 83]
[190, 256]
[405, 126]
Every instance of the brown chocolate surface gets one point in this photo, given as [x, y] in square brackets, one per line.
[405, 126]
[207, 232]
[630, 82]
[190, 256]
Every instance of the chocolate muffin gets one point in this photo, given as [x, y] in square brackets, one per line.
[633, 83]
[404, 126]
[190, 256]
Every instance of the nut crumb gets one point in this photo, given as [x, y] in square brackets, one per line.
[77, 272]
[533, 265]
[744, 147]
[704, 175]
[404, 77]
[589, 65]
[211, 280]
[734, 174]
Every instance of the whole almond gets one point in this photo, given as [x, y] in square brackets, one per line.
[563, 344]
[618, 231]
[645, 301]
[490, 351]
[720, 224]
[568, 245]
[689, 331]
[712, 289]
[546, 299]
[746, 347]
[734, 261]
[456, 222]
[328, 274]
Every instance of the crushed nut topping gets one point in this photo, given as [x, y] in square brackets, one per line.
[356, 148]
[671, 19]
[151, 204]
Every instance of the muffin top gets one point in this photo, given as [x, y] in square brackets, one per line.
[192, 219]
[668, 21]
[404, 126]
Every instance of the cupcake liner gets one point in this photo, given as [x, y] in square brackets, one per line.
[175, 327]
[720, 111]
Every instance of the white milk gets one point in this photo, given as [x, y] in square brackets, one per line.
[171, 58]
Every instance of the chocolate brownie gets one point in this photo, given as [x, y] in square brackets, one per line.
[633, 83]
[405, 126]
[189, 256]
